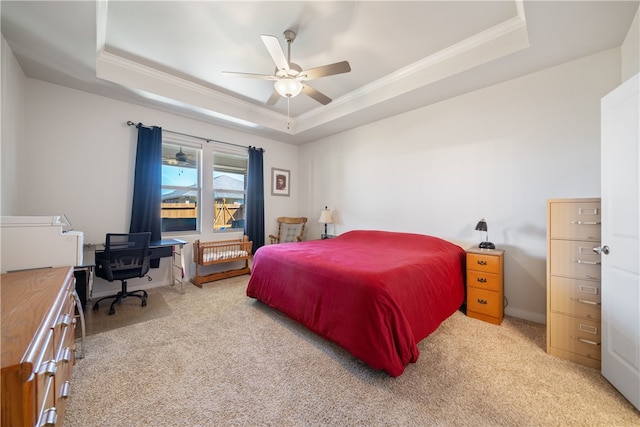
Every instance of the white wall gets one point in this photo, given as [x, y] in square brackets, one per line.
[78, 157]
[631, 50]
[497, 153]
[12, 112]
[71, 152]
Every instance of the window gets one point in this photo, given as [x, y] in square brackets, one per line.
[229, 190]
[180, 187]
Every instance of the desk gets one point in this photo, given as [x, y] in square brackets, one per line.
[163, 248]
[171, 248]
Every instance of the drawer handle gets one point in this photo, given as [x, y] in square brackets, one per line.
[66, 355]
[482, 262]
[586, 222]
[482, 280]
[50, 368]
[580, 261]
[586, 341]
[65, 390]
[586, 301]
[65, 320]
[482, 301]
[49, 418]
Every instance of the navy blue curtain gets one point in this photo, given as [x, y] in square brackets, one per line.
[255, 199]
[147, 184]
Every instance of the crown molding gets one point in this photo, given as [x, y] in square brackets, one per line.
[498, 41]
[159, 86]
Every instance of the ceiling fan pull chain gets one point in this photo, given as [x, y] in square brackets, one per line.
[288, 115]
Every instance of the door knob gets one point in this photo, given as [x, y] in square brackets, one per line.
[601, 250]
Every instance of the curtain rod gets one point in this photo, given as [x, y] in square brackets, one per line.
[208, 140]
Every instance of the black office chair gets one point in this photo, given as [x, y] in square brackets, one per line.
[125, 256]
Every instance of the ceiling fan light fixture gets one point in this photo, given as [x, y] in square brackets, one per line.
[288, 87]
[181, 156]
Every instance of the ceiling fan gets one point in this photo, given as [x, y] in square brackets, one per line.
[179, 159]
[290, 79]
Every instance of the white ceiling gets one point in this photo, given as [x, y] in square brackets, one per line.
[403, 55]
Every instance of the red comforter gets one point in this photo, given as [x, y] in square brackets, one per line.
[375, 293]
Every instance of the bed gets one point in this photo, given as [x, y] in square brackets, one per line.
[374, 293]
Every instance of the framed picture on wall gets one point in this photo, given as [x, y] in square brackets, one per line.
[280, 182]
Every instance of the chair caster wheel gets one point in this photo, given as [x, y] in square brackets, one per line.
[96, 307]
[144, 302]
[112, 311]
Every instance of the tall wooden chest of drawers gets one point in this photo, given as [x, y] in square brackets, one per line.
[38, 344]
[573, 280]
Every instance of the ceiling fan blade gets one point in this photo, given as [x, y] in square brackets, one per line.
[275, 96]
[326, 70]
[249, 75]
[318, 96]
[275, 50]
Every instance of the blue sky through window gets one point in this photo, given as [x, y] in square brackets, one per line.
[179, 176]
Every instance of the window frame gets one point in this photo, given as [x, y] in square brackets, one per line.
[233, 153]
[176, 144]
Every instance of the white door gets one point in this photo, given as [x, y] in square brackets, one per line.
[621, 239]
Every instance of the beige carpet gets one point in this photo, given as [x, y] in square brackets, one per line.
[222, 359]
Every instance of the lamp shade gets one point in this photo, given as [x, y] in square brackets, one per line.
[288, 87]
[482, 225]
[325, 216]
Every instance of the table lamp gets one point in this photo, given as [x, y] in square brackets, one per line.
[325, 217]
[486, 244]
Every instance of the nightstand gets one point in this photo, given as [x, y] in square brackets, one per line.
[485, 284]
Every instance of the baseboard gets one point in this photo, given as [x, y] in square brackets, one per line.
[526, 315]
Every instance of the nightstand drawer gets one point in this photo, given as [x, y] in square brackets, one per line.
[484, 302]
[480, 262]
[482, 280]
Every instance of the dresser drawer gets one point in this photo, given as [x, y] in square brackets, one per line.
[575, 297]
[484, 302]
[65, 322]
[47, 412]
[579, 336]
[485, 263]
[482, 280]
[62, 379]
[574, 259]
[45, 370]
[575, 220]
